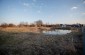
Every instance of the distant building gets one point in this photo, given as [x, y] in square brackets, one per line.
[75, 25]
[63, 25]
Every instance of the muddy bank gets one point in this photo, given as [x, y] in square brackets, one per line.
[24, 43]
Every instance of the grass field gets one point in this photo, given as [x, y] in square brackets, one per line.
[28, 43]
[23, 29]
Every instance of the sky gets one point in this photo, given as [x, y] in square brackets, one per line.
[49, 11]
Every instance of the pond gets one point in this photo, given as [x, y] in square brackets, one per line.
[57, 32]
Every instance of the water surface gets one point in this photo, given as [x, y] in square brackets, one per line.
[57, 32]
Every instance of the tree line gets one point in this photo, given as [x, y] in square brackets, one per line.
[39, 23]
[24, 24]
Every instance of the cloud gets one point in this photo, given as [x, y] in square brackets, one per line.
[42, 3]
[39, 11]
[83, 13]
[26, 4]
[25, 10]
[34, 0]
[84, 2]
[74, 8]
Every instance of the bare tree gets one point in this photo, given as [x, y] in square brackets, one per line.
[39, 23]
[4, 25]
[24, 24]
[11, 25]
[32, 25]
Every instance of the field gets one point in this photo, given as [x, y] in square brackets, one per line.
[23, 29]
[29, 43]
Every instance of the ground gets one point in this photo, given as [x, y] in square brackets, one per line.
[28, 43]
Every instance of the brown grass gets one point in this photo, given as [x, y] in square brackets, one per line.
[23, 29]
[24, 43]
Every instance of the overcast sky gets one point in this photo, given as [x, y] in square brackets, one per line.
[49, 11]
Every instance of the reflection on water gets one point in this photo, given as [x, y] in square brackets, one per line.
[57, 32]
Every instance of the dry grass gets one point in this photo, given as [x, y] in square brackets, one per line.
[24, 43]
[23, 29]
[18, 29]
